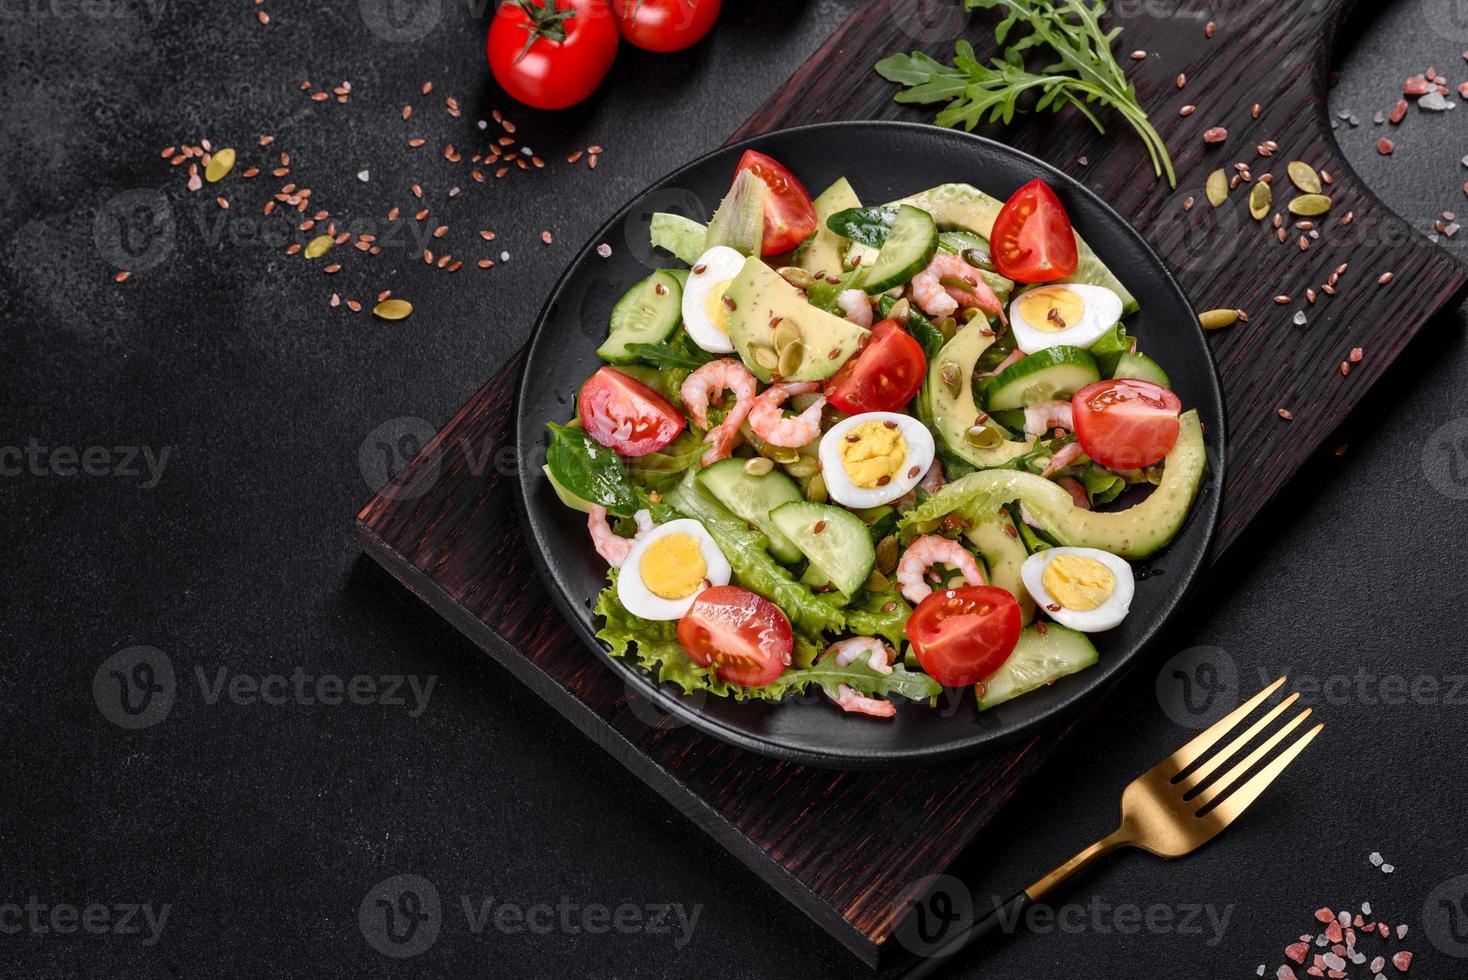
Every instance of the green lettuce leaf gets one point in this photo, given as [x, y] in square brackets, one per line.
[866, 617]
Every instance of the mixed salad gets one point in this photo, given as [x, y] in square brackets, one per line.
[863, 448]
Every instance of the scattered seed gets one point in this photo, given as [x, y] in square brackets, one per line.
[486, 263]
[1189, 200]
[1187, 110]
[1215, 135]
[1217, 188]
[1303, 176]
[392, 309]
[1218, 319]
[1210, 29]
[1282, 300]
[1139, 56]
[545, 236]
[1255, 110]
[1385, 278]
[1356, 354]
[1310, 205]
[1286, 414]
[1182, 81]
[1261, 199]
[123, 276]
[319, 246]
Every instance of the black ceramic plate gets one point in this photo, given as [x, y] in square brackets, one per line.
[883, 161]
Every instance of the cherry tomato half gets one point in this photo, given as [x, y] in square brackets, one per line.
[626, 415]
[665, 25]
[743, 636]
[790, 217]
[1033, 240]
[961, 636]
[884, 377]
[1126, 424]
[551, 54]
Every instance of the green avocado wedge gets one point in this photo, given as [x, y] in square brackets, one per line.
[1137, 532]
[823, 252]
[964, 207]
[949, 394]
[768, 317]
[999, 543]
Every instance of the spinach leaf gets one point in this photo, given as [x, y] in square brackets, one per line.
[869, 226]
[590, 470]
[921, 328]
[674, 353]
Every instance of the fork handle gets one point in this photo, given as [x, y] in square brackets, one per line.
[1005, 916]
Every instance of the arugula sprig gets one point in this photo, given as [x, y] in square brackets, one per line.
[1085, 74]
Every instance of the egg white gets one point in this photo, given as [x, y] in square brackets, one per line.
[640, 600]
[839, 485]
[1106, 616]
[719, 264]
[1101, 310]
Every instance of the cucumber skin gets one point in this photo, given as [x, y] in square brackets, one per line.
[720, 480]
[897, 262]
[1006, 390]
[683, 237]
[614, 349]
[840, 523]
[1142, 368]
[1065, 651]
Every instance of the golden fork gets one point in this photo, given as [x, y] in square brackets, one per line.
[1166, 810]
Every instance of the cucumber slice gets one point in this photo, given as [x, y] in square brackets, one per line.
[751, 498]
[1038, 659]
[646, 314]
[1057, 372]
[835, 540]
[740, 220]
[909, 248]
[1141, 367]
[682, 236]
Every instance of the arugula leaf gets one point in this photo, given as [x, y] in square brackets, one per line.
[672, 353]
[869, 226]
[857, 675]
[590, 470]
[1085, 72]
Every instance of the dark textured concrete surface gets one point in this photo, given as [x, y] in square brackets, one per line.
[263, 827]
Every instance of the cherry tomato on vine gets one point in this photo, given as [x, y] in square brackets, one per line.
[665, 25]
[1033, 240]
[551, 54]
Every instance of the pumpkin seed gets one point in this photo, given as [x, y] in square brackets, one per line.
[1218, 319]
[1310, 205]
[797, 277]
[764, 356]
[976, 258]
[947, 327]
[786, 334]
[955, 282]
[803, 467]
[971, 313]
[1153, 475]
[790, 359]
[877, 582]
[887, 554]
[758, 466]
[780, 454]
[1304, 176]
[1261, 199]
[220, 164]
[900, 311]
[393, 309]
[815, 491]
[952, 377]
[1217, 188]
[319, 246]
[983, 437]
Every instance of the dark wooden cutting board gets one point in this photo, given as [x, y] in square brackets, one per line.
[851, 848]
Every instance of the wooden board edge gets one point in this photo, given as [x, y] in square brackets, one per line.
[611, 741]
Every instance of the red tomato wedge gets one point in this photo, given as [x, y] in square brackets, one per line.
[1032, 239]
[665, 25]
[1126, 424]
[962, 636]
[790, 217]
[626, 415]
[743, 636]
[884, 377]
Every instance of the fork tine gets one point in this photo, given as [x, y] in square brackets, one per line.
[1237, 772]
[1191, 752]
[1249, 792]
[1196, 777]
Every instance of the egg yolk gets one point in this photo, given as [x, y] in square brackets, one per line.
[716, 309]
[672, 567]
[1078, 583]
[873, 454]
[1051, 308]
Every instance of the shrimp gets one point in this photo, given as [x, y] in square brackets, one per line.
[1041, 417]
[849, 700]
[856, 306]
[1076, 490]
[1062, 459]
[847, 651]
[923, 554]
[609, 544]
[931, 482]
[937, 299]
[770, 423]
[725, 374]
[1010, 358]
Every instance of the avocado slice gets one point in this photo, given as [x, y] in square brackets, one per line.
[998, 541]
[951, 403]
[762, 302]
[823, 252]
[965, 207]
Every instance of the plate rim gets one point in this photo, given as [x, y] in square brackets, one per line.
[1208, 502]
